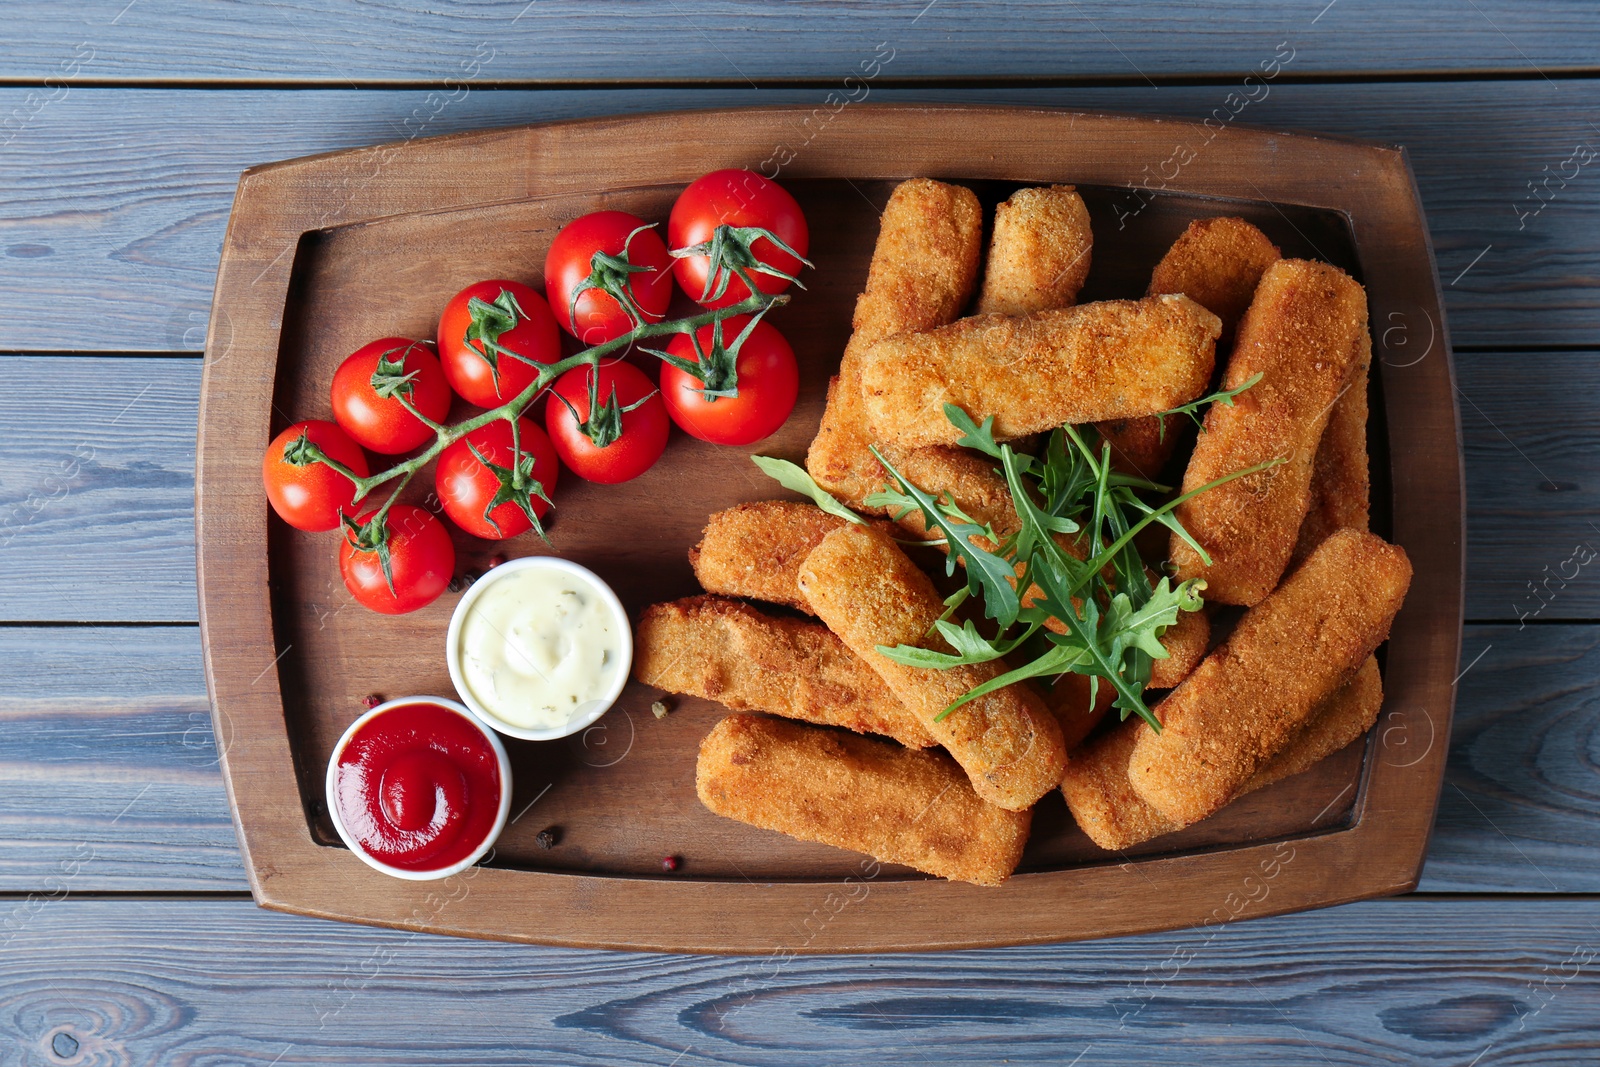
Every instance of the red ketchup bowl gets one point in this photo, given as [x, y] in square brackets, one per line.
[419, 788]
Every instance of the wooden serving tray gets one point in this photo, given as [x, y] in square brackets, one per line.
[325, 253]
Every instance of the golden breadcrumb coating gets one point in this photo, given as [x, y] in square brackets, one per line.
[1114, 816]
[1341, 488]
[1040, 252]
[1217, 262]
[869, 593]
[1185, 642]
[1305, 333]
[859, 793]
[1287, 654]
[756, 549]
[1109, 360]
[727, 651]
[922, 274]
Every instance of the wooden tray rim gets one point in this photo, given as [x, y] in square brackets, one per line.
[1379, 852]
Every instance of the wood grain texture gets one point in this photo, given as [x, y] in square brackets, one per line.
[117, 198]
[1387, 982]
[297, 280]
[1522, 413]
[110, 763]
[97, 488]
[97, 714]
[740, 40]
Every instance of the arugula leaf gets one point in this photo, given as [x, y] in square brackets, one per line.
[973, 436]
[1192, 408]
[794, 477]
[988, 574]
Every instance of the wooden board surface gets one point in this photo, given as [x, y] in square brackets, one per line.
[112, 750]
[1408, 982]
[736, 41]
[1530, 422]
[117, 198]
[304, 301]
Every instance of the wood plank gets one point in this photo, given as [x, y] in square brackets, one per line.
[97, 488]
[119, 197]
[1531, 422]
[740, 40]
[110, 763]
[101, 718]
[1531, 425]
[1489, 982]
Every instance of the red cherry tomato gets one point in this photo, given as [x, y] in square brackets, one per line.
[636, 440]
[468, 487]
[571, 264]
[421, 562]
[368, 386]
[736, 198]
[504, 317]
[767, 383]
[310, 496]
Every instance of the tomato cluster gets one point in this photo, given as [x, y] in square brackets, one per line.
[733, 234]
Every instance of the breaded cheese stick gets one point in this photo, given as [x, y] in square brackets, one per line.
[1341, 488]
[1305, 333]
[869, 593]
[1068, 701]
[970, 480]
[1342, 718]
[1040, 252]
[1185, 642]
[755, 549]
[1287, 654]
[859, 793]
[727, 651]
[922, 274]
[1114, 816]
[1216, 262]
[1108, 360]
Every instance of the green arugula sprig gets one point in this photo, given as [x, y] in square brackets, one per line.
[1100, 616]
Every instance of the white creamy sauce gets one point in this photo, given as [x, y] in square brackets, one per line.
[537, 645]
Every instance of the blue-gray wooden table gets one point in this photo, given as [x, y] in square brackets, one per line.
[127, 934]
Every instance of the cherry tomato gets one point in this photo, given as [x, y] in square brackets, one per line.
[767, 382]
[635, 439]
[571, 269]
[501, 317]
[468, 488]
[421, 562]
[311, 495]
[368, 386]
[736, 199]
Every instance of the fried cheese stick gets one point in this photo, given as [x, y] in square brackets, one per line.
[1305, 333]
[869, 593]
[756, 549]
[1114, 816]
[727, 651]
[1185, 642]
[858, 793]
[922, 274]
[1040, 252]
[1341, 488]
[1287, 654]
[1216, 262]
[1108, 360]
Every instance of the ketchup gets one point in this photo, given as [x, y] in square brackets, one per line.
[418, 787]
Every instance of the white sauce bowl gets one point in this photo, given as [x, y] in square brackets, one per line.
[586, 713]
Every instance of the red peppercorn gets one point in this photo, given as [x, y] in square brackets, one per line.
[371, 700]
[670, 863]
[498, 559]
